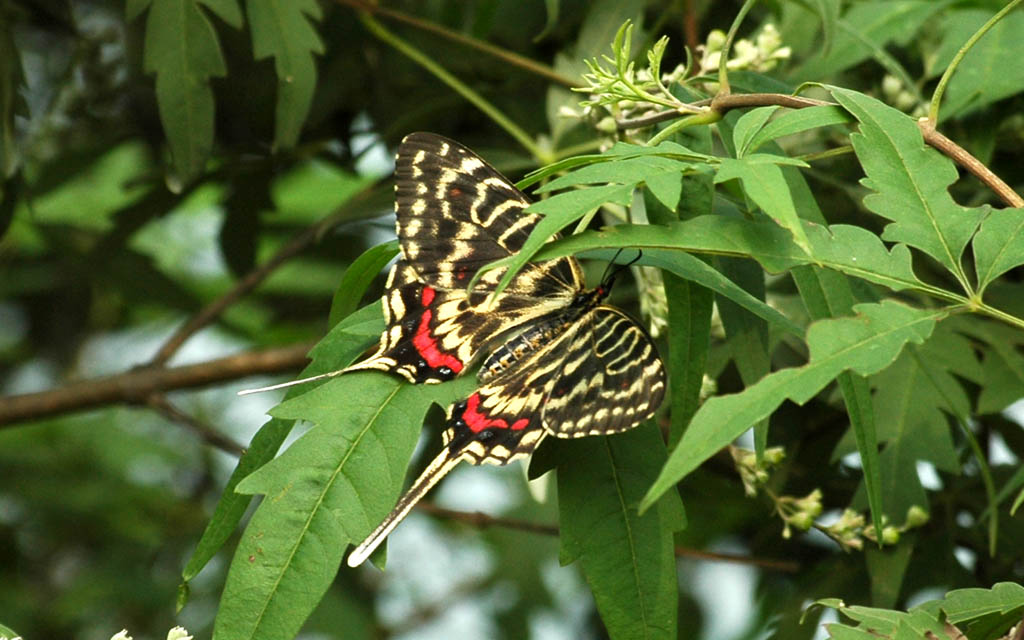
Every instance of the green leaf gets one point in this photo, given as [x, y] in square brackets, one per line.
[336, 350]
[748, 125]
[852, 250]
[134, 8]
[330, 488]
[797, 121]
[746, 334]
[871, 25]
[828, 295]
[999, 245]
[11, 79]
[696, 270]
[984, 74]
[886, 568]
[765, 184]
[910, 181]
[183, 51]
[627, 559]
[865, 344]
[619, 151]
[358, 277]
[551, 8]
[828, 10]
[284, 31]
[1004, 379]
[910, 398]
[6, 633]
[965, 604]
[662, 175]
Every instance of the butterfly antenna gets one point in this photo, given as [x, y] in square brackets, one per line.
[292, 383]
[610, 274]
[438, 469]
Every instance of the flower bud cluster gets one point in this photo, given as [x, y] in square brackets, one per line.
[849, 531]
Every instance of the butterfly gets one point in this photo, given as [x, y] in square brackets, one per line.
[565, 365]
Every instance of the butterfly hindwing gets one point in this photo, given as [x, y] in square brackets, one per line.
[610, 378]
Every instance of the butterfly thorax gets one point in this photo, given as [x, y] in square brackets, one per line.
[539, 333]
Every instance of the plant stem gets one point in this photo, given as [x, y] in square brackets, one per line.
[460, 87]
[723, 73]
[504, 55]
[940, 90]
[709, 117]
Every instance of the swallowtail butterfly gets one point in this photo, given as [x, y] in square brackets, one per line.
[570, 366]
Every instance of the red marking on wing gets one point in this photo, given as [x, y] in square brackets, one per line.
[427, 296]
[477, 421]
[426, 344]
[454, 192]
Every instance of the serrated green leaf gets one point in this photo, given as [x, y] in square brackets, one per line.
[999, 245]
[910, 182]
[983, 75]
[285, 31]
[965, 604]
[627, 559]
[864, 344]
[336, 350]
[764, 183]
[797, 121]
[183, 51]
[330, 488]
[851, 250]
[857, 252]
[843, 632]
[357, 278]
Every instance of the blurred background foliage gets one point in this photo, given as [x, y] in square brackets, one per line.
[139, 186]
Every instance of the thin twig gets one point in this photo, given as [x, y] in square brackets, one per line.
[969, 162]
[932, 137]
[723, 103]
[136, 386]
[786, 566]
[297, 245]
[502, 54]
[482, 521]
[208, 434]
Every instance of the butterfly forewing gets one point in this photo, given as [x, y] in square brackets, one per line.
[455, 214]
